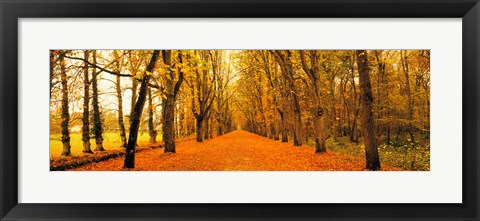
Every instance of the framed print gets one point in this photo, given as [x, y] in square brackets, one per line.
[239, 110]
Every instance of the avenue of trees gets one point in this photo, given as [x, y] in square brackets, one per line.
[368, 97]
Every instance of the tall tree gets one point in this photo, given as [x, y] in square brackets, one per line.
[53, 63]
[202, 95]
[118, 87]
[137, 112]
[86, 106]
[172, 87]
[312, 69]
[406, 71]
[371, 151]
[97, 122]
[277, 92]
[356, 100]
[283, 59]
[65, 109]
[151, 129]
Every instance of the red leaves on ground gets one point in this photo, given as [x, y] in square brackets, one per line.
[236, 151]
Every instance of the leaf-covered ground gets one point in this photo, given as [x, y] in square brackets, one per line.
[239, 151]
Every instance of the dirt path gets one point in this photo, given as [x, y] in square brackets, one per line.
[238, 150]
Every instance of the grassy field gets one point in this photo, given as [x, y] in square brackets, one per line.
[111, 141]
[406, 157]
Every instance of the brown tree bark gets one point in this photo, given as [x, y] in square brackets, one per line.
[276, 127]
[199, 128]
[151, 130]
[168, 103]
[86, 106]
[97, 122]
[371, 151]
[134, 97]
[121, 124]
[65, 113]
[210, 134]
[283, 127]
[168, 126]
[137, 113]
[53, 62]
[355, 101]
[206, 128]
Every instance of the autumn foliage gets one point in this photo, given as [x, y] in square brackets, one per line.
[270, 110]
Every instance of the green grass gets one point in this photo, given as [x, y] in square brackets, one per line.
[111, 141]
[406, 157]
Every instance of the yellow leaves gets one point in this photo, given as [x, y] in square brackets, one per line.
[148, 73]
[140, 75]
[168, 76]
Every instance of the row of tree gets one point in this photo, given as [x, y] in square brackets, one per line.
[382, 95]
[189, 88]
[304, 95]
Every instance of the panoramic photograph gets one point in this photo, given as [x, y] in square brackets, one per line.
[239, 110]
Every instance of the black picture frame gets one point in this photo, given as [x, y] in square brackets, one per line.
[12, 10]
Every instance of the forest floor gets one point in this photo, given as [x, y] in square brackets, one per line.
[236, 151]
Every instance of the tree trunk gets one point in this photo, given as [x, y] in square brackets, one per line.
[137, 113]
[409, 96]
[86, 107]
[319, 130]
[354, 131]
[371, 151]
[199, 129]
[151, 129]
[319, 133]
[297, 123]
[355, 101]
[220, 129]
[206, 129]
[339, 126]
[271, 131]
[283, 59]
[65, 113]
[275, 127]
[168, 103]
[210, 125]
[134, 97]
[168, 124]
[121, 124]
[313, 73]
[284, 128]
[97, 122]
[52, 69]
